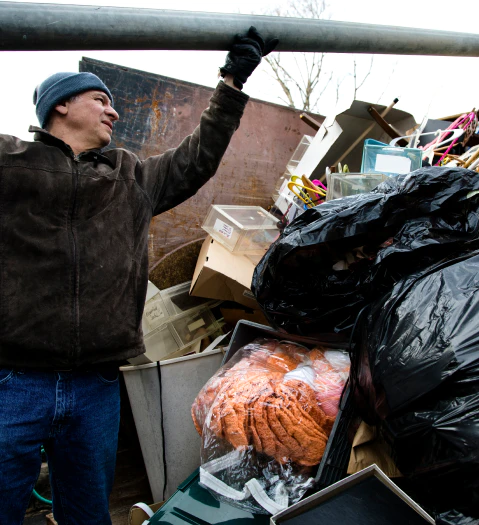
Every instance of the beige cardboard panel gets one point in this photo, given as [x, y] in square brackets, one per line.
[340, 131]
[369, 449]
[221, 275]
[233, 315]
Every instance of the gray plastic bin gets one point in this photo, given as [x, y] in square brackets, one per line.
[161, 398]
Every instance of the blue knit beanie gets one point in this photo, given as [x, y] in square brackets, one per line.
[62, 86]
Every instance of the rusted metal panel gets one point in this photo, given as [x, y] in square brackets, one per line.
[158, 112]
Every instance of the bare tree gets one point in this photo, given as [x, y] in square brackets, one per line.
[306, 79]
[303, 77]
[355, 75]
[309, 79]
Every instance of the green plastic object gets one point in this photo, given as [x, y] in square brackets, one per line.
[194, 505]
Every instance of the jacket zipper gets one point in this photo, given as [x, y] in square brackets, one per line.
[75, 309]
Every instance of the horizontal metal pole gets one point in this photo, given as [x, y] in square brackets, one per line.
[49, 27]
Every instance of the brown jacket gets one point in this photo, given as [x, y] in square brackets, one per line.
[74, 238]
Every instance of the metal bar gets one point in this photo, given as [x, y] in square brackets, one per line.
[48, 27]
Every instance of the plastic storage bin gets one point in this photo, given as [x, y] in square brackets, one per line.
[344, 184]
[177, 299]
[242, 229]
[155, 312]
[389, 160]
[169, 442]
[180, 332]
[160, 305]
[292, 165]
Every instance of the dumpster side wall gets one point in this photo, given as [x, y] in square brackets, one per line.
[157, 112]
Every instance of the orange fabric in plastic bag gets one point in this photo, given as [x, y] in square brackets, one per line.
[251, 401]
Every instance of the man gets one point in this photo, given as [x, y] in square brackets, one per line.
[73, 276]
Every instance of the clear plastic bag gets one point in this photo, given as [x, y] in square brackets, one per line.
[265, 418]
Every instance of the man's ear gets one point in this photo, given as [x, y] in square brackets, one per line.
[62, 108]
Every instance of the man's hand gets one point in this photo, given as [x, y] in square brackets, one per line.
[245, 55]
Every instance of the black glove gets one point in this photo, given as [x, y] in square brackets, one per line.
[245, 55]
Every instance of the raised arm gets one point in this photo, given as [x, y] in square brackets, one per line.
[173, 177]
[179, 173]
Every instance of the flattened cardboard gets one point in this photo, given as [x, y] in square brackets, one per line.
[338, 132]
[221, 275]
[369, 449]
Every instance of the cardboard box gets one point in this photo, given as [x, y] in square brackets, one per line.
[232, 315]
[338, 132]
[221, 275]
[369, 448]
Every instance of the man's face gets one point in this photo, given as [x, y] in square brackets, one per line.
[91, 117]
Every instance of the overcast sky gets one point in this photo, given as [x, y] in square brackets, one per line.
[425, 86]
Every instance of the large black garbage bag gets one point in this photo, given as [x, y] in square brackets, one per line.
[416, 372]
[422, 335]
[405, 224]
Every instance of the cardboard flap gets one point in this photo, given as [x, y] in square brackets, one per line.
[220, 274]
[368, 449]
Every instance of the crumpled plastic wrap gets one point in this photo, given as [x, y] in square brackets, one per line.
[455, 518]
[265, 418]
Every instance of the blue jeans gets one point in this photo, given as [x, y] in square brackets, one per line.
[75, 416]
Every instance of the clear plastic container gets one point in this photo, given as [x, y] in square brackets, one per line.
[389, 160]
[180, 332]
[291, 166]
[242, 229]
[344, 184]
[155, 312]
[298, 154]
[162, 304]
[177, 299]
[280, 185]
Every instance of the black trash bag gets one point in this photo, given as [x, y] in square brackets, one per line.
[416, 372]
[405, 224]
[455, 518]
[422, 333]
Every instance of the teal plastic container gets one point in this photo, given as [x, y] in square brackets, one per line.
[389, 160]
[194, 505]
